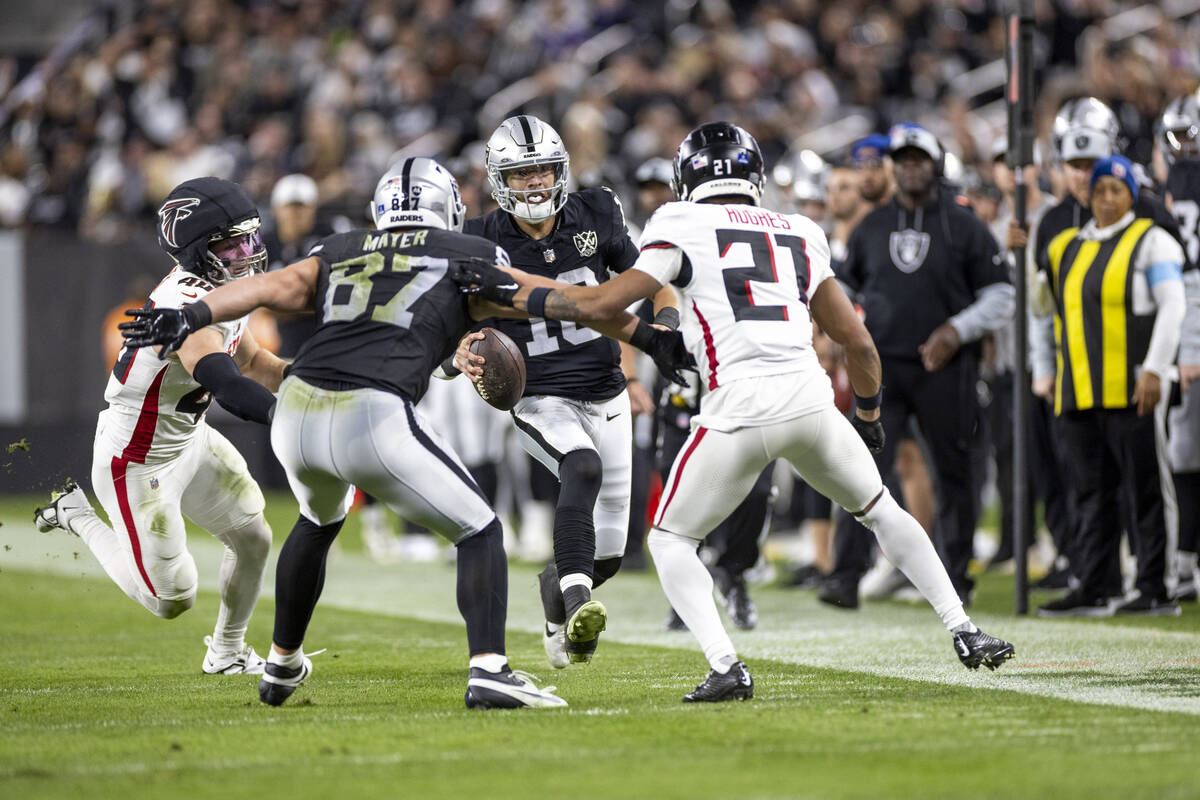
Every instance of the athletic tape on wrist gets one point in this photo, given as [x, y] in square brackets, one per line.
[535, 304]
[869, 403]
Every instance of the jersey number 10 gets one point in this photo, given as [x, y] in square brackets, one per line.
[763, 270]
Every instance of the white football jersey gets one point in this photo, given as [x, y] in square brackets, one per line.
[745, 275]
[154, 407]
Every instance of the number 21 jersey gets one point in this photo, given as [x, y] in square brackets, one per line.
[745, 275]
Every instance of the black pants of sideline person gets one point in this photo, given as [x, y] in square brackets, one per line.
[1113, 451]
[944, 404]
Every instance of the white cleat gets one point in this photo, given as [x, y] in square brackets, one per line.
[243, 662]
[508, 689]
[556, 646]
[64, 504]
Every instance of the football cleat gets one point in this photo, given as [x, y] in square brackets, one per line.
[508, 689]
[64, 504]
[556, 646]
[583, 630]
[977, 648]
[278, 682]
[243, 662]
[736, 684]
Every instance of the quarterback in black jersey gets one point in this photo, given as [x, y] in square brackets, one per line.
[575, 414]
[388, 313]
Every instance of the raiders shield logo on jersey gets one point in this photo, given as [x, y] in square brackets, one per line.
[908, 249]
[585, 243]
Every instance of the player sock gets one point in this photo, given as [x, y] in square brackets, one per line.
[109, 549]
[906, 545]
[289, 660]
[689, 587]
[240, 581]
[482, 589]
[579, 473]
[299, 578]
[492, 662]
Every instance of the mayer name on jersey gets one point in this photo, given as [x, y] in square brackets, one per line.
[154, 406]
[589, 241]
[388, 312]
[746, 275]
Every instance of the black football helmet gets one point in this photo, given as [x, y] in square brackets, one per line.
[716, 159]
[211, 228]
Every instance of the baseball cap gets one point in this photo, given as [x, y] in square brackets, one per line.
[910, 134]
[1120, 168]
[871, 146]
[295, 188]
[655, 169]
[1085, 143]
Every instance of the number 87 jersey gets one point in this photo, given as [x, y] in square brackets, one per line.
[746, 275]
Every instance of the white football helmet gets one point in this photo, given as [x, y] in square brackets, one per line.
[1179, 128]
[418, 192]
[525, 141]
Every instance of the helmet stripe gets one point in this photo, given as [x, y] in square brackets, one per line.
[405, 174]
[527, 129]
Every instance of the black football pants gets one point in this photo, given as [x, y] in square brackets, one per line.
[944, 404]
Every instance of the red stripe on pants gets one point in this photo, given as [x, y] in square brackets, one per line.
[679, 472]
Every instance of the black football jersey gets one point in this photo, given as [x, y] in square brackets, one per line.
[387, 308]
[912, 271]
[1183, 185]
[588, 241]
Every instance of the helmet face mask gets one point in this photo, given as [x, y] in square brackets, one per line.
[719, 159]
[418, 192]
[205, 213]
[1179, 129]
[521, 143]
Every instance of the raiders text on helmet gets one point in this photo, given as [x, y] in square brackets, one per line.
[718, 159]
[526, 141]
[1179, 128]
[210, 226]
[418, 192]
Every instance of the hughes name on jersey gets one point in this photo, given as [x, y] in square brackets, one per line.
[588, 242]
[388, 310]
[745, 275]
[154, 406]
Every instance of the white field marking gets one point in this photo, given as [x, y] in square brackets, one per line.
[1086, 661]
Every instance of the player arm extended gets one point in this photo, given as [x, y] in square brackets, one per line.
[833, 311]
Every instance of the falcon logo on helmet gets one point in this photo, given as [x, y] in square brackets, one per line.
[171, 213]
[719, 159]
[211, 228]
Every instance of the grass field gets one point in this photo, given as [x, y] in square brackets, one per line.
[98, 699]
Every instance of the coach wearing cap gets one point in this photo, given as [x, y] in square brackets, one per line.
[931, 281]
[294, 211]
[1118, 306]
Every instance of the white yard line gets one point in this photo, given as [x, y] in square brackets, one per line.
[1087, 661]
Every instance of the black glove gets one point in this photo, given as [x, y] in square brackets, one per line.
[480, 276]
[667, 350]
[871, 432]
[166, 326]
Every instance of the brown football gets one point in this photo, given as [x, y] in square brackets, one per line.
[503, 379]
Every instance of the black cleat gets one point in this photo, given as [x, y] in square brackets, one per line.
[583, 631]
[839, 592]
[553, 606]
[736, 684]
[508, 689]
[978, 648]
[1146, 606]
[736, 597]
[1076, 604]
[278, 682]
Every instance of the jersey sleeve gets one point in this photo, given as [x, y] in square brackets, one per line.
[662, 256]
[619, 252]
[820, 265]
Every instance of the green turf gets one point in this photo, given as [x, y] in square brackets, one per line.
[100, 700]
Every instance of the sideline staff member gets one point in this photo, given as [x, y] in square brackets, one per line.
[1118, 314]
[931, 279]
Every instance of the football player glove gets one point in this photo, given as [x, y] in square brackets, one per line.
[666, 348]
[871, 432]
[166, 326]
[480, 276]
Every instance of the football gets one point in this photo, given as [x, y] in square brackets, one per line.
[503, 379]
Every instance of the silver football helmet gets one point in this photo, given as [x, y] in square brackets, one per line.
[526, 141]
[1179, 128]
[418, 192]
[1087, 113]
